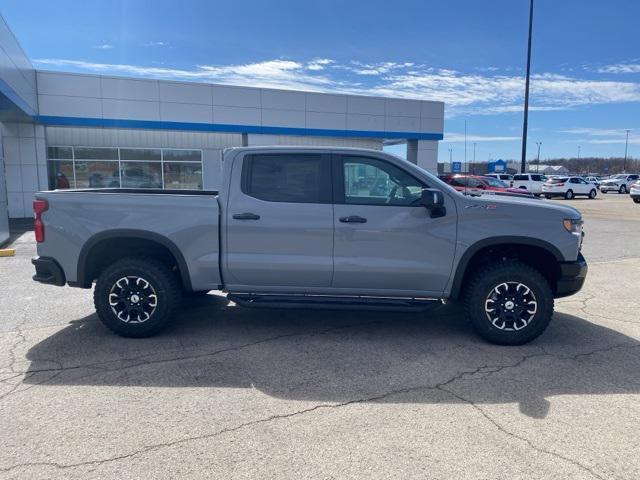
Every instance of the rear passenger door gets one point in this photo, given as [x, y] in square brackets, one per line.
[279, 223]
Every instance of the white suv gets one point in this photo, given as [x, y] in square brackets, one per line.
[635, 191]
[568, 187]
[618, 183]
[531, 182]
[505, 177]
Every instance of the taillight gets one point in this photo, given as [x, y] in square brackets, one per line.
[39, 207]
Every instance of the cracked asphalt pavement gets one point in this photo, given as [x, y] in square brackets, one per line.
[229, 392]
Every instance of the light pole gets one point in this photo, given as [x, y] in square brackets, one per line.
[626, 149]
[539, 144]
[451, 160]
[523, 161]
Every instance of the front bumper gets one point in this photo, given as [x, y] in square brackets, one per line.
[609, 188]
[48, 271]
[572, 276]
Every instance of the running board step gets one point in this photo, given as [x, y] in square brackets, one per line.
[333, 303]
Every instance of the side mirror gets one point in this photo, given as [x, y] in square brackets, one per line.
[431, 198]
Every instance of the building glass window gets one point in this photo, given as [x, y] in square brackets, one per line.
[178, 175]
[105, 167]
[141, 175]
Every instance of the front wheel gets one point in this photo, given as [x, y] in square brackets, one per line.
[569, 194]
[509, 303]
[623, 189]
[592, 194]
[636, 200]
[136, 296]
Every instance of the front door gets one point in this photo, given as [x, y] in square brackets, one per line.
[384, 240]
[279, 224]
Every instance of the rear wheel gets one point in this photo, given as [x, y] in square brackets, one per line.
[136, 296]
[623, 189]
[509, 303]
[637, 199]
[569, 194]
[548, 197]
[592, 194]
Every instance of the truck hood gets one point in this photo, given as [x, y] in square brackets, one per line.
[502, 201]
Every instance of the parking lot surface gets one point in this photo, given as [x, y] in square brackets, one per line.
[229, 392]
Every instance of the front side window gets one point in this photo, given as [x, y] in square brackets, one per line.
[289, 178]
[369, 181]
[521, 177]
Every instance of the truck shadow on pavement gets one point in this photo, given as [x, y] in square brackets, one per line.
[344, 357]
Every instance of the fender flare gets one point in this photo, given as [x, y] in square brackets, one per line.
[461, 268]
[83, 258]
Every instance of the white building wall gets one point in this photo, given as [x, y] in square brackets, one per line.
[105, 97]
[24, 152]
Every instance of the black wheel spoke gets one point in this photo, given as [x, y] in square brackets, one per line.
[510, 306]
[132, 299]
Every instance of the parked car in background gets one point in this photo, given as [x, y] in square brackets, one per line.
[634, 190]
[593, 181]
[478, 185]
[505, 177]
[618, 183]
[568, 187]
[531, 182]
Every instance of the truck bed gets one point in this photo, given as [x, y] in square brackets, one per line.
[183, 221]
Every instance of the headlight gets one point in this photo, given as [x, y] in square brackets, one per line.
[573, 226]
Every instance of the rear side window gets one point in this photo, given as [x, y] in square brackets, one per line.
[294, 178]
[536, 178]
[521, 177]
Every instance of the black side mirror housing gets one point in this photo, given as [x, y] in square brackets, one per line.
[433, 200]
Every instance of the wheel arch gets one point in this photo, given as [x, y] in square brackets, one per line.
[540, 254]
[127, 240]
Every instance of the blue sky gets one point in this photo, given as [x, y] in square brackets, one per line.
[469, 54]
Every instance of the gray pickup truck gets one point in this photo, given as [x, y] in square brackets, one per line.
[313, 228]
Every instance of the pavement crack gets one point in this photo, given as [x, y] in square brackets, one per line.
[515, 436]
[442, 386]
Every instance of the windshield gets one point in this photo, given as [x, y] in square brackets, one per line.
[494, 182]
[622, 175]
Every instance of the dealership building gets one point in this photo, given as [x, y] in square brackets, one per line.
[69, 130]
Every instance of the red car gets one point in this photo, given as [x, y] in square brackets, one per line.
[477, 185]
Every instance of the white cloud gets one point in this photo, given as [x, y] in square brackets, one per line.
[319, 64]
[606, 135]
[620, 68]
[104, 46]
[463, 93]
[155, 44]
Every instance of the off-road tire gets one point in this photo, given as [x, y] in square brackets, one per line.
[165, 286]
[482, 284]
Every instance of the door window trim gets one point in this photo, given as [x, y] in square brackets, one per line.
[339, 197]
